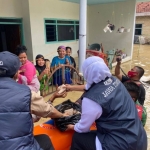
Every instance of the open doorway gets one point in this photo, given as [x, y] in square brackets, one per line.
[11, 34]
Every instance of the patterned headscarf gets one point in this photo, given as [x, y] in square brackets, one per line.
[61, 47]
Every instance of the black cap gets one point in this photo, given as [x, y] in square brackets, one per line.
[9, 64]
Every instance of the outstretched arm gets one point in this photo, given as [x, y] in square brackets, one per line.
[40, 108]
[117, 71]
[75, 87]
[56, 95]
[91, 111]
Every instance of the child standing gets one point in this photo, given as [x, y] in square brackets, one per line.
[68, 53]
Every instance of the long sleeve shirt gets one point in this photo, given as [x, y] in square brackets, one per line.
[39, 107]
[91, 111]
[28, 76]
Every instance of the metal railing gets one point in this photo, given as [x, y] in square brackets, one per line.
[49, 86]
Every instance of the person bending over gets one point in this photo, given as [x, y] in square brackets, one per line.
[107, 103]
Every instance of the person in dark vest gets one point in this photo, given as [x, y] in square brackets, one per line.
[107, 103]
[17, 102]
[133, 75]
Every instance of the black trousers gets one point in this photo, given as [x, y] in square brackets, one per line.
[84, 141]
[44, 142]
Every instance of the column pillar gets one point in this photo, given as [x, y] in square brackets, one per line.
[82, 33]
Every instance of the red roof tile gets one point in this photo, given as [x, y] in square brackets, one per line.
[143, 7]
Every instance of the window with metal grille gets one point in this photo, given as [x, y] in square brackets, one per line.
[61, 30]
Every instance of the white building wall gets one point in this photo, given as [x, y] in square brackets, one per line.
[27, 28]
[19, 9]
[98, 17]
[11, 8]
[33, 14]
[50, 9]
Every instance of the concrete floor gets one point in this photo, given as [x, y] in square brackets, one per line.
[141, 57]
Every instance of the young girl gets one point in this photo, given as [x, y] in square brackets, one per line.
[58, 60]
[42, 71]
[27, 72]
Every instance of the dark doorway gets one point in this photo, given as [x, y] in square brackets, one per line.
[10, 37]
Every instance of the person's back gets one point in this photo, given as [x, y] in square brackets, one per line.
[119, 123]
[16, 122]
[15, 99]
[107, 103]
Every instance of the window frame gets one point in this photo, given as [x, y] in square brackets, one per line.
[17, 21]
[56, 24]
[138, 28]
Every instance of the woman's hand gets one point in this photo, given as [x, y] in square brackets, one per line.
[46, 71]
[75, 87]
[70, 127]
[69, 87]
[65, 115]
[21, 71]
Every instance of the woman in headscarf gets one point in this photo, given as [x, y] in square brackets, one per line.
[42, 71]
[107, 103]
[58, 60]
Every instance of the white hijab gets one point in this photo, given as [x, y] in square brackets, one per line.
[94, 70]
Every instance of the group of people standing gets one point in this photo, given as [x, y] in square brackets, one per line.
[33, 75]
[21, 99]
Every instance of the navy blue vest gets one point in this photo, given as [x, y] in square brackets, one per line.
[16, 124]
[119, 127]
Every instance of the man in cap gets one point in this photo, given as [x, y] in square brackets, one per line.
[16, 107]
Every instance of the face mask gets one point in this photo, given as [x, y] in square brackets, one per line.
[132, 74]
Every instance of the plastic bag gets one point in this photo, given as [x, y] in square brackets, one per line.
[61, 123]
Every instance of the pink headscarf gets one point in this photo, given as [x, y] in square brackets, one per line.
[94, 70]
[61, 47]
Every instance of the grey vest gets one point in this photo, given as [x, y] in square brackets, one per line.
[16, 125]
[119, 127]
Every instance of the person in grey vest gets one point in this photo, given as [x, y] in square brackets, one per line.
[107, 103]
[17, 102]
